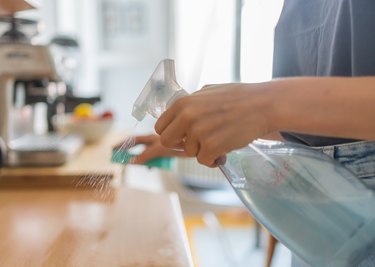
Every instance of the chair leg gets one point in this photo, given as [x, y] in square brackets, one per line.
[272, 241]
[257, 235]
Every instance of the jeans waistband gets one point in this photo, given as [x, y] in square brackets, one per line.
[347, 148]
[359, 157]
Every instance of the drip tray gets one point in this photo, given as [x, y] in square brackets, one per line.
[42, 150]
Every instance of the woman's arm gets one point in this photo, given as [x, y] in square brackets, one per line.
[221, 118]
[339, 107]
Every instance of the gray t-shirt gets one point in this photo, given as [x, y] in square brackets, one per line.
[324, 38]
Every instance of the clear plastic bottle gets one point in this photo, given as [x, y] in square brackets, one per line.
[313, 205]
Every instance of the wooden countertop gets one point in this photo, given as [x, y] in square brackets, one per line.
[119, 227]
[93, 160]
[48, 219]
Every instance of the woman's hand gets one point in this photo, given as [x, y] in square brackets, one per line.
[221, 118]
[154, 148]
[215, 120]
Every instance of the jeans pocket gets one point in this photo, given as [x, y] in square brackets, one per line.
[359, 158]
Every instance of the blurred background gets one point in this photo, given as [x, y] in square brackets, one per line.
[120, 42]
[73, 55]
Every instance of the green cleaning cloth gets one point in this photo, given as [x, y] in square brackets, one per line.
[124, 156]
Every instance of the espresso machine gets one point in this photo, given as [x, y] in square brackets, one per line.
[27, 77]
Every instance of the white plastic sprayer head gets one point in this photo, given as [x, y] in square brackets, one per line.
[158, 91]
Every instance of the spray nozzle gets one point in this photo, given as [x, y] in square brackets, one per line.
[160, 91]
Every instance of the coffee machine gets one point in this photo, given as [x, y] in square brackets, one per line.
[27, 77]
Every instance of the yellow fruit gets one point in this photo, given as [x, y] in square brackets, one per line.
[83, 110]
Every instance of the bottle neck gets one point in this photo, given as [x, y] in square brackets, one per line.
[178, 94]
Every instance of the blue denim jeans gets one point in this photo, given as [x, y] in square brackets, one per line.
[359, 157]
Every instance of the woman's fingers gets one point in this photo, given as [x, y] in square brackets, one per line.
[191, 147]
[172, 125]
[173, 135]
[145, 156]
[164, 120]
[214, 121]
[218, 143]
[209, 153]
[136, 140]
[145, 139]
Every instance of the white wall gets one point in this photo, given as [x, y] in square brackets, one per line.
[198, 34]
[117, 66]
[259, 18]
[126, 63]
[204, 42]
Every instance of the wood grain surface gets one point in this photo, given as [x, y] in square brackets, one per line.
[94, 160]
[116, 227]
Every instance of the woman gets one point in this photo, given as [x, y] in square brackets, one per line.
[323, 94]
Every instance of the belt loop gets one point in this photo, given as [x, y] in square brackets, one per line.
[329, 151]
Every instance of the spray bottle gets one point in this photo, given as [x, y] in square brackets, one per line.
[309, 202]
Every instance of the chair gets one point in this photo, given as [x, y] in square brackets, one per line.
[209, 186]
[272, 241]
[203, 189]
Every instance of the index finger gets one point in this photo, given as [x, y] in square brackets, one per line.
[164, 120]
[145, 139]
[145, 156]
[131, 141]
